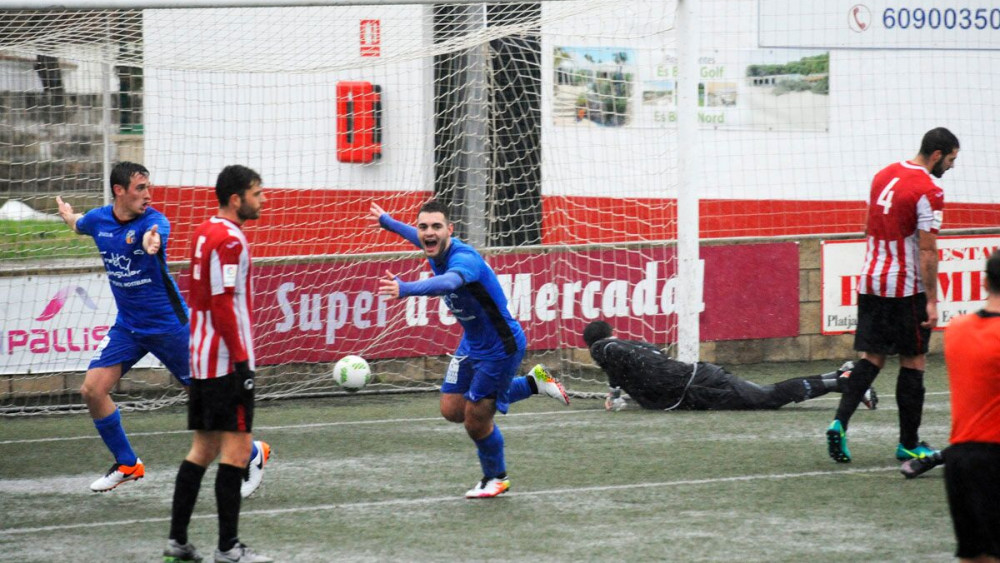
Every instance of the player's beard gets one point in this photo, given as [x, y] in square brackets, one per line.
[245, 212]
[938, 169]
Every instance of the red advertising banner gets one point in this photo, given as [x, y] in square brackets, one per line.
[318, 312]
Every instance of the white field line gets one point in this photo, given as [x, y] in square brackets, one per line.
[258, 429]
[436, 500]
[95, 436]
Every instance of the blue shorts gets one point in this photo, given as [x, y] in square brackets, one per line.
[482, 379]
[121, 346]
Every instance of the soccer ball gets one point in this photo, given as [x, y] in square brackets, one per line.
[352, 373]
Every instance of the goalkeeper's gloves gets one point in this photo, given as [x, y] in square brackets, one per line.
[614, 400]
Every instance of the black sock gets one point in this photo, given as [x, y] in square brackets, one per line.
[910, 400]
[186, 487]
[532, 383]
[227, 498]
[862, 376]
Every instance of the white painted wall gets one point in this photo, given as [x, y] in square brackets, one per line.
[282, 122]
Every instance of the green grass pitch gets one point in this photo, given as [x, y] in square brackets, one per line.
[381, 478]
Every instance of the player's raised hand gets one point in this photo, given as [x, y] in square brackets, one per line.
[65, 209]
[151, 240]
[389, 285]
[376, 212]
[66, 212]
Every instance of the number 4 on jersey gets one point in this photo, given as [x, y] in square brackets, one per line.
[885, 198]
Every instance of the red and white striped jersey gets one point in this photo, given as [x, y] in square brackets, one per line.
[220, 299]
[903, 200]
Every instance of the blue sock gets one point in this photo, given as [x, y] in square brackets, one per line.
[253, 450]
[111, 431]
[519, 389]
[491, 454]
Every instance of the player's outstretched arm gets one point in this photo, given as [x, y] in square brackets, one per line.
[394, 287]
[384, 220]
[66, 212]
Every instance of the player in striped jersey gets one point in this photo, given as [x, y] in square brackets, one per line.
[220, 410]
[897, 292]
[152, 317]
[480, 379]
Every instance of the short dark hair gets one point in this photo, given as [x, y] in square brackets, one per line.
[234, 179]
[993, 272]
[597, 330]
[435, 206]
[938, 139]
[121, 174]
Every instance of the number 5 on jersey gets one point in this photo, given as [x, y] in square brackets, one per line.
[196, 270]
[885, 198]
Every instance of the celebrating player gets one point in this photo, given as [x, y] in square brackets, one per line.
[480, 379]
[132, 238]
[220, 410]
[152, 317]
[897, 293]
[657, 381]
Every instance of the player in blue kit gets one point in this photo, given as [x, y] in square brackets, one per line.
[480, 378]
[152, 317]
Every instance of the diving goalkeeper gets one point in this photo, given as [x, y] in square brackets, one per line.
[658, 382]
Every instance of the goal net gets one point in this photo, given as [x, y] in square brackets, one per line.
[549, 128]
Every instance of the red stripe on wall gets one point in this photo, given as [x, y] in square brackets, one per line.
[298, 222]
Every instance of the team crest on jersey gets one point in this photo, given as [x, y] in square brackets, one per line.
[130, 237]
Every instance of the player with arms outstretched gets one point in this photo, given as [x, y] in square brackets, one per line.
[152, 317]
[897, 292]
[480, 379]
[221, 407]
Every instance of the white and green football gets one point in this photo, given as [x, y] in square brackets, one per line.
[352, 373]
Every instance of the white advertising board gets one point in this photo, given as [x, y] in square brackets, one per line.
[962, 260]
[54, 323]
[880, 24]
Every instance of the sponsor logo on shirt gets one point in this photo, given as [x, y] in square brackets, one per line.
[460, 314]
[105, 234]
[229, 275]
[119, 266]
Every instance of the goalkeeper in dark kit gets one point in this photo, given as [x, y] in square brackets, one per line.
[643, 373]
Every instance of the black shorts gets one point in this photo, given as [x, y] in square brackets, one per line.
[891, 325]
[972, 481]
[222, 403]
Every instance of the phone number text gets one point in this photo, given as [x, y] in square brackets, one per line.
[941, 18]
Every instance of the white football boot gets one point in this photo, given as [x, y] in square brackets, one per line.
[548, 385]
[255, 471]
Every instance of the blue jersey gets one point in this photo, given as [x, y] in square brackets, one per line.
[147, 297]
[479, 303]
